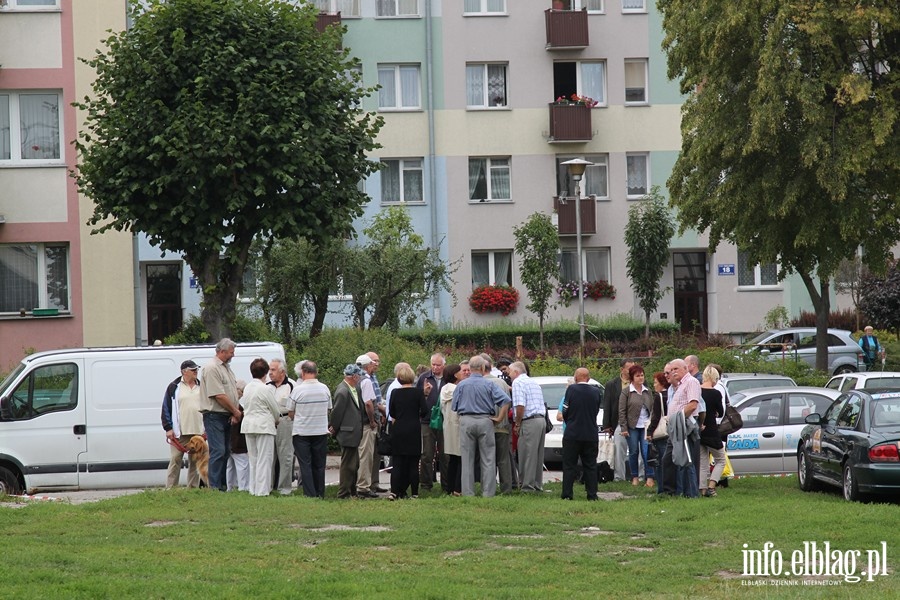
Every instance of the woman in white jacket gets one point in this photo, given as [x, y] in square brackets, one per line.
[259, 423]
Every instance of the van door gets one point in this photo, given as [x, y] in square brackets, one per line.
[44, 423]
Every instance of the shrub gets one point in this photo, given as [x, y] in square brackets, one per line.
[837, 319]
[244, 329]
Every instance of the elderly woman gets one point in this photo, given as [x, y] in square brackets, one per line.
[710, 439]
[407, 409]
[635, 405]
[660, 390]
[258, 425]
[451, 431]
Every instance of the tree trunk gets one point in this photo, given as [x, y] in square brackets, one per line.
[647, 324]
[541, 328]
[821, 299]
[220, 280]
[320, 310]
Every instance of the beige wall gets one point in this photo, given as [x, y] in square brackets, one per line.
[43, 194]
[30, 40]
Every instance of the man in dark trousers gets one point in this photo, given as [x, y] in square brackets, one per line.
[580, 439]
[346, 425]
[432, 438]
[611, 394]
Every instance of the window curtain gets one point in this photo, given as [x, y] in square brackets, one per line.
[386, 8]
[592, 80]
[39, 118]
[472, 6]
[595, 5]
[412, 181]
[633, 4]
[387, 95]
[595, 177]
[4, 128]
[408, 7]
[635, 81]
[565, 187]
[349, 8]
[323, 5]
[409, 86]
[496, 85]
[637, 175]
[597, 265]
[500, 179]
[474, 85]
[390, 182]
[568, 269]
[477, 181]
[481, 274]
[18, 278]
[502, 268]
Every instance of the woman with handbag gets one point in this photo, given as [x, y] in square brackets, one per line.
[635, 405]
[710, 439]
[407, 408]
[658, 425]
[451, 431]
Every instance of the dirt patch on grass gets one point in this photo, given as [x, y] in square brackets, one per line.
[373, 528]
[160, 523]
[591, 532]
[525, 536]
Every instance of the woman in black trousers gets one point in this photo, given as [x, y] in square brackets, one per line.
[407, 408]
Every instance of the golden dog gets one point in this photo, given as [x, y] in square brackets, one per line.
[199, 451]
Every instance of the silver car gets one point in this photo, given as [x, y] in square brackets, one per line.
[799, 343]
[554, 388]
[773, 419]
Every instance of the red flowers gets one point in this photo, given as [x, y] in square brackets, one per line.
[494, 298]
[576, 99]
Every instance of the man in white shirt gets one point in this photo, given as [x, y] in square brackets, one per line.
[311, 407]
[284, 448]
[370, 428]
[530, 422]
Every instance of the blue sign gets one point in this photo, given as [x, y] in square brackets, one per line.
[726, 270]
[193, 283]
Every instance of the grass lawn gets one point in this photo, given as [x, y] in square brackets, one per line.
[200, 544]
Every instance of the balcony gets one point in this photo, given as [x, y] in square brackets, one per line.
[570, 123]
[566, 29]
[566, 215]
[326, 19]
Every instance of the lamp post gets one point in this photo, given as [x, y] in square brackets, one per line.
[576, 168]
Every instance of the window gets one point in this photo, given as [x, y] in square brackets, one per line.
[849, 416]
[755, 275]
[591, 5]
[595, 262]
[397, 8]
[765, 412]
[29, 126]
[347, 8]
[50, 388]
[637, 175]
[34, 276]
[485, 85]
[585, 78]
[636, 81]
[633, 6]
[28, 4]
[399, 87]
[489, 179]
[401, 181]
[484, 6]
[491, 268]
[594, 182]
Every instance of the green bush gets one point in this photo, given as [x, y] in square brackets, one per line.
[244, 329]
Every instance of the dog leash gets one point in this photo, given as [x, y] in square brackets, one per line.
[177, 444]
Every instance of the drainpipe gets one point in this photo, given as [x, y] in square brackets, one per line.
[432, 184]
[136, 277]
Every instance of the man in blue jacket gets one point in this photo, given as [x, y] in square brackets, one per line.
[181, 420]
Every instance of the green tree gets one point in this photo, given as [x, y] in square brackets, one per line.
[880, 299]
[648, 234]
[214, 122]
[789, 132]
[392, 273]
[537, 244]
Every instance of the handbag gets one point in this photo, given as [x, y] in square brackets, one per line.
[383, 441]
[662, 427]
[731, 422]
[437, 417]
[549, 426]
[607, 451]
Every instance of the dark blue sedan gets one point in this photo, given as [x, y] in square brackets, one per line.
[855, 445]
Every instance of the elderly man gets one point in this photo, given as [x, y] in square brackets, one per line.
[381, 419]
[370, 428]
[346, 424]
[431, 437]
[219, 405]
[284, 448]
[681, 479]
[531, 425]
[181, 420]
[311, 403]
[502, 445]
[581, 404]
[476, 400]
[611, 394]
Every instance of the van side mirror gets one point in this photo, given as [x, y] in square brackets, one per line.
[5, 410]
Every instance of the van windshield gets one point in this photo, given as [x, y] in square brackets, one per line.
[7, 381]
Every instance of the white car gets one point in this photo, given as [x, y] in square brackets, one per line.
[872, 380]
[554, 388]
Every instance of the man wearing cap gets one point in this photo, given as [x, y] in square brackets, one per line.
[346, 424]
[219, 405]
[284, 446]
[181, 419]
[368, 365]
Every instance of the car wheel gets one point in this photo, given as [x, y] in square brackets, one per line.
[804, 473]
[844, 369]
[851, 489]
[9, 483]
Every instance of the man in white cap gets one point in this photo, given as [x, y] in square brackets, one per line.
[370, 426]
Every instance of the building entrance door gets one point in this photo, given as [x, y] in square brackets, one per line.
[163, 301]
[690, 291]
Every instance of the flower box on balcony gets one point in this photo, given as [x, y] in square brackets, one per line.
[570, 122]
[566, 29]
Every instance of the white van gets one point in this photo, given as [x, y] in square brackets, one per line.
[78, 419]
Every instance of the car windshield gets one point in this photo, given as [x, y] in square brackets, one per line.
[882, 383]
[886, 412]
[758, 339]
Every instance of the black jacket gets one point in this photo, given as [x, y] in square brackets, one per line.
[582, 403]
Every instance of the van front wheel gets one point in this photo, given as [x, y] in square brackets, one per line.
[9, 483]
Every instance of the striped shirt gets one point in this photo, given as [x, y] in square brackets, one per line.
[526, 392]
[311, 403]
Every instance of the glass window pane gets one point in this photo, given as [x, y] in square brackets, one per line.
[412, 184]
[768, 274]
[477, 179]
[390, 181]
[500, 179]
[57, 267]
[409, 86]
[408, 7]
[502, 268]
[480, 269]
[4, 128]
[595, 177]
[597, 264]
[387, 95]
[592, 80]
[18, 278]
[746, 275]
[496, 5]
[568, 268]
[497, 84]
[637, 175]
[472, 6]
[633, 4]
[474, 85]
[635, 81]
[37, 2]
[39, 121]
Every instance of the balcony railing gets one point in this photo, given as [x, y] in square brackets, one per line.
[326, 19]
[566, 29]
[570, 123]
[566, 215]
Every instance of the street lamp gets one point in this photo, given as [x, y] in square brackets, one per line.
[576, 168]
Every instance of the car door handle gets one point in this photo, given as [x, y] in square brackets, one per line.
[79, 429]
[768, 434]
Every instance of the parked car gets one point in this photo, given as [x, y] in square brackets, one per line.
[853, 445]
[773, 419]
[799, 343]
[554, 388]
[873, 380]
[739, 382]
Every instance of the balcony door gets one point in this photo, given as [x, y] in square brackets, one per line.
[689, 272]
[163, 300]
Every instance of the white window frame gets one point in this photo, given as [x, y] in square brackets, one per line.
[492, 266]
[341, 295]
[486, 101]
[483, 8]
[493, 164]
[757, 275]
[633, 9]
[43, 296]
[602, 101]
[601, 254]
[637, 61]
[399, 100]
[14, 134]
[17, 5]
[601, 163]
[395, 13]
[405, 165]
[348, 8]
[646, 157]
[593, 11]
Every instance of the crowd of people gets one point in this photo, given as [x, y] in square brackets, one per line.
[472, 421]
